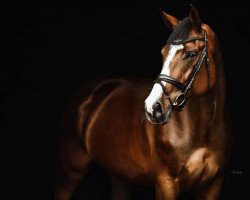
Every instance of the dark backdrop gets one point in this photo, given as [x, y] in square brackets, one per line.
[52, 48]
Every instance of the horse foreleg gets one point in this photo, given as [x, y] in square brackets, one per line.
[166, 188]
[211, 191]
[120, 189]
[73, 165]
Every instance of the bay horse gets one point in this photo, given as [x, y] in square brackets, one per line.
[176, 139]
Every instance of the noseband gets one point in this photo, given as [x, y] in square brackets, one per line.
[180, 100]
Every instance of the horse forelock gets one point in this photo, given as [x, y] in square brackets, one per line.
[181, 31]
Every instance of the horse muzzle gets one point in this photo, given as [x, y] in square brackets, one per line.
[158, 115]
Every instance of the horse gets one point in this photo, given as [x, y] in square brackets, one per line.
[175, 138]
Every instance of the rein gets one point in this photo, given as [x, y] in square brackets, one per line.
[180, 100]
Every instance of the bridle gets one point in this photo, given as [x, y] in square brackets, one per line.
[180, 100]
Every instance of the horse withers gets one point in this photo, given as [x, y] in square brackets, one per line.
[177, 138]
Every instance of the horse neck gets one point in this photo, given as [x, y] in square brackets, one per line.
[198, 114]
[220, 83]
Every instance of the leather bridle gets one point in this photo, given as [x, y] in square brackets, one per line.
[180, 100]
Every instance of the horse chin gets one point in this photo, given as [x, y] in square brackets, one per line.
[166, 116]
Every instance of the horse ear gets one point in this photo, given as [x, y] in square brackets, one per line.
[169, 20]
[195, 18]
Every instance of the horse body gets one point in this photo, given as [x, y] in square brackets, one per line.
[106, 123]
[120, 134]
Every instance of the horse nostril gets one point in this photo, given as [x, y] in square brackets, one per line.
[157, 110]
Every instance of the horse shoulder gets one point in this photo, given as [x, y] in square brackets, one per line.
[203, 165]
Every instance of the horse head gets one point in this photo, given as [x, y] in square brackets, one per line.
[188, 69]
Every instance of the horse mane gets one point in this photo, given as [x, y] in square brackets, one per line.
[181, 31]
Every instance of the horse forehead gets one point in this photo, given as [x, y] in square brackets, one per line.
[196, 45]
[171, 50]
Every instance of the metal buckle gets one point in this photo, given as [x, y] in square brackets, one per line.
[180, 101]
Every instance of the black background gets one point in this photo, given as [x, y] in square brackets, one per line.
[52, 48]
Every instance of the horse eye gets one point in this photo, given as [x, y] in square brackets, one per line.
[191, 54]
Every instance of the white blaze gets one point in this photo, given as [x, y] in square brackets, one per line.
[157, 91]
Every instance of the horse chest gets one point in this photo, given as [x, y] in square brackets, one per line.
[174, 150]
